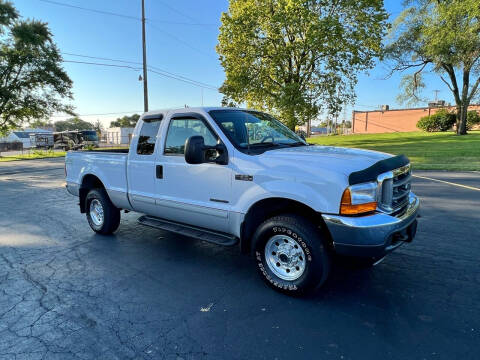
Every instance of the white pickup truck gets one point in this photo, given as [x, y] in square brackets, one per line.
[234, 176]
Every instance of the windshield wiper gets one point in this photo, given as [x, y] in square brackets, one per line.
[262, 144]
[297, 143]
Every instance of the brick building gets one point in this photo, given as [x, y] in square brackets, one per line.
[393, 120]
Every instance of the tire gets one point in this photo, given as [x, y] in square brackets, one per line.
[103, 217]
[291, 255]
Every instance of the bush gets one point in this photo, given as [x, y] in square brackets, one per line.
[472, 119]
[442, 120]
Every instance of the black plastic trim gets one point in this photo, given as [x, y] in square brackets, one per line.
[371, 173]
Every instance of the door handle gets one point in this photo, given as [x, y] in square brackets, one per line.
[159, 171]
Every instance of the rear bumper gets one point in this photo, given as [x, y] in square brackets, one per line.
[374, 235]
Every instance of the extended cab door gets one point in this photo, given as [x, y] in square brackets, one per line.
[141, 169]
[192, 194]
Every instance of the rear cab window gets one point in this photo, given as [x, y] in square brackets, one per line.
[148, 135]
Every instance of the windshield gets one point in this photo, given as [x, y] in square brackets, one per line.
[247, 129]
[90, 135]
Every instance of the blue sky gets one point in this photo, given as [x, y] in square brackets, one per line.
[181, 39]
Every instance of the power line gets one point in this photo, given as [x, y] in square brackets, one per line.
[91, 10]
[176, 10]
[150, 69]
[110, 13]
[180, 40]
[100, 64]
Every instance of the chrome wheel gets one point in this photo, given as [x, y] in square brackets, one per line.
[96, 212]
[285, 257]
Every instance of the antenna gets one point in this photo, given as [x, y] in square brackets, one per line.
[436, 94]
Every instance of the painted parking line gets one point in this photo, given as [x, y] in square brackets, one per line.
[448, 182]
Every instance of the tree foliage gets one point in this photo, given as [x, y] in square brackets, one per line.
[74, 123]
[296, 58]
[33, 83]
[441, 37]
[473, 119]
[442, 120]
[126, 121]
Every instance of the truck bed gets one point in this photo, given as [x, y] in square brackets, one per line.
[110, 167]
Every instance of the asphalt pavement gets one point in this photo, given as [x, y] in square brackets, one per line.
[67, 293]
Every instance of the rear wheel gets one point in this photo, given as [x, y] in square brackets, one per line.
[103, 217]
[290, 254]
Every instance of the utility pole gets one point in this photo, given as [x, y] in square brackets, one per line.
[145, 82]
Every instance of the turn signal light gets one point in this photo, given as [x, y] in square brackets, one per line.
[346, 207]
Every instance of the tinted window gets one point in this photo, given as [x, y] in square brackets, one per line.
[148, 137]
[181, 129]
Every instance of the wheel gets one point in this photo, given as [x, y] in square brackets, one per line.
[103, 217]
[290, 254]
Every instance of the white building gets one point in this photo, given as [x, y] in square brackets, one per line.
[118, 135]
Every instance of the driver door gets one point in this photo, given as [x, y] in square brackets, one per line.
[197, 194]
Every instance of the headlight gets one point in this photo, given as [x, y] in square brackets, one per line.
[359, 199]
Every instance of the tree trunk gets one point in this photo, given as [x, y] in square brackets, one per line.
[462, 111]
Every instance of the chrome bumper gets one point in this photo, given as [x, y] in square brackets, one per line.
[374, 235]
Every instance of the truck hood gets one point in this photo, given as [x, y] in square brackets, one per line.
[336, 159]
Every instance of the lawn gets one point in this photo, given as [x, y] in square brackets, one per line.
[427, 151]
[33, 155]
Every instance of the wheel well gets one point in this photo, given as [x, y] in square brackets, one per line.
[267, 208]
[89, 182]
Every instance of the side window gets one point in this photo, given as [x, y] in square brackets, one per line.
[148, 137]
[181, 129]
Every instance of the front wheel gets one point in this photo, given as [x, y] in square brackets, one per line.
[290, 254]
[103, 217]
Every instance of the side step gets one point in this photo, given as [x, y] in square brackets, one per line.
[188, 230]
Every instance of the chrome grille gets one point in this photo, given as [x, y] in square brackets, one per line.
[394, 189]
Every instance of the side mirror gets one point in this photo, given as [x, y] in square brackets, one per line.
[195, 150]
[197, 153]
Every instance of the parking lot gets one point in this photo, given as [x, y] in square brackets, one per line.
[66, 293]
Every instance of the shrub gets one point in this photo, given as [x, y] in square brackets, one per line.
[442, 120]
[472, 119]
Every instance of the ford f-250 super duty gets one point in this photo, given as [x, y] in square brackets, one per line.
[233, 176]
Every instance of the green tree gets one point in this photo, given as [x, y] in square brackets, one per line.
[38, 123]
[297, 58]
[33, 83]
[126, 121]
[441, 37]
[74, 123]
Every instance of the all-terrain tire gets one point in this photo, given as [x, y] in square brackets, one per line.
[302, 245]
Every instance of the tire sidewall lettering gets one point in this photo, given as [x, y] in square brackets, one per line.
[259, 257]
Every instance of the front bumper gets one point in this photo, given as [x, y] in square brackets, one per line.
[374, 235]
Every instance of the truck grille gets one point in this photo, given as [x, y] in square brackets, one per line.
[394, 188]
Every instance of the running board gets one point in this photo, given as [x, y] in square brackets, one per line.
[188, 230]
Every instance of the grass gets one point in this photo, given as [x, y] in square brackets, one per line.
[427, 151]
[49, 154]
[33, 155]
